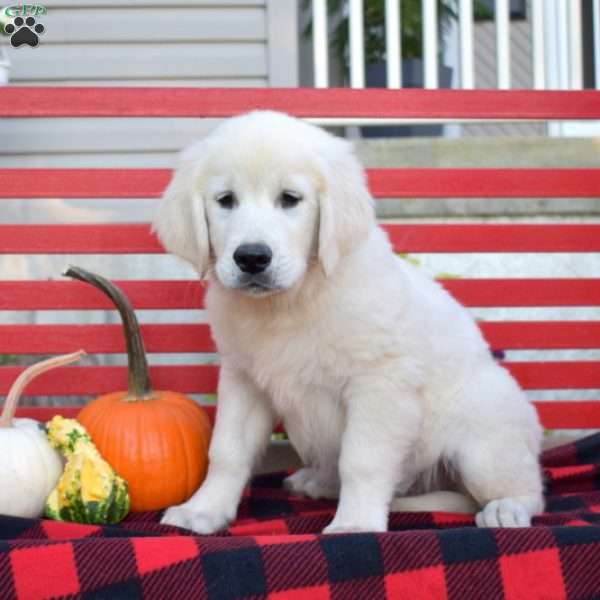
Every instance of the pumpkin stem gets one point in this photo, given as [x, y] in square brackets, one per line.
[140, 386]
[10, 405]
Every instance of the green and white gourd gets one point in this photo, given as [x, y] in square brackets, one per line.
[89, 491]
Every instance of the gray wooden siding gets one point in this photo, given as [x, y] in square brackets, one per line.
[72, 63]
[93, 41]
[199, 43]
[106, 142]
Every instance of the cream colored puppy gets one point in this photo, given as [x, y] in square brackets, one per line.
[383, 382]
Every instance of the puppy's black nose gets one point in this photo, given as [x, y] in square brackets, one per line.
[253, 258]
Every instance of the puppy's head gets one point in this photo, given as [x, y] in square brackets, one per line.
[262, 198]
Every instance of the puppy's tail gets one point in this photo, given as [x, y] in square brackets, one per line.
[435, 501]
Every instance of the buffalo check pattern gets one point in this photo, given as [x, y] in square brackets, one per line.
[274, 551]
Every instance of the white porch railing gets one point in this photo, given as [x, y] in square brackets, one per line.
[556, 43]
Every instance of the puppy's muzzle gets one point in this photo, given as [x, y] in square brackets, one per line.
[253, 258]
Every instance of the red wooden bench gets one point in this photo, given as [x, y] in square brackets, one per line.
[60, 295]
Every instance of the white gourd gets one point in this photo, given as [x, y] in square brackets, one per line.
[29, 466]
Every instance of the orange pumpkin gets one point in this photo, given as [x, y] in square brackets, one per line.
[156, 440]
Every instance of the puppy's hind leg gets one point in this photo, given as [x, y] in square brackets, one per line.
[444, 501]
[315, 430]
[313, 483]
[504, 480]
[496, 451]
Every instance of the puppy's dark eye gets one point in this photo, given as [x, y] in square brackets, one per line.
[289, 199]
[226, 200]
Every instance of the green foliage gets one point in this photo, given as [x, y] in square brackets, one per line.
[374, 26]
[411, 28]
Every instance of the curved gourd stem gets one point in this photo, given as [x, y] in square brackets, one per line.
[140, 387]
[10, 406]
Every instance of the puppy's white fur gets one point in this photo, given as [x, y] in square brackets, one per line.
[383, 382]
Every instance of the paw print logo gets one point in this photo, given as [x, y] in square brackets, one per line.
[24, 31]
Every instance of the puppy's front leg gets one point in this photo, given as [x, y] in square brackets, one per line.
[242, 428]
[382, 425]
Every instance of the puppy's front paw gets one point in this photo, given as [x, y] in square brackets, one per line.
[198, 520]
[349, 527]
[330, 529]
[334, 528]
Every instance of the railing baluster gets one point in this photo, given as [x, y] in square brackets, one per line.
[430, 44]
[596, 25]
[559, 16]
[575, 46]
[320, 43]
[393, 46]
[357, 44]
[467, 72]
[503, 44]
[538, 43]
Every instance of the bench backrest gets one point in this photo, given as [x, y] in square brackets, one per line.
[343, 106]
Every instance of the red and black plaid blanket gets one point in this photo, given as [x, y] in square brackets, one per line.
[274, 551]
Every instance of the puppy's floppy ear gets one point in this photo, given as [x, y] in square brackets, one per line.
[180, 220]
[346, 207]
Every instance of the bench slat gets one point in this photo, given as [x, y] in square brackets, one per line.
[572, 414]
[31, 101]
[384, 183]
[494, 238]
[542, 335]
[187, 337]
[201, 379]
[78, 239]
[540, 292]
[137, 239]
[485, 183]
[548, 375]
[45, 413]
[569, 414]
[170, 294]
[109, 339]
[74, 295]
[556, 375]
